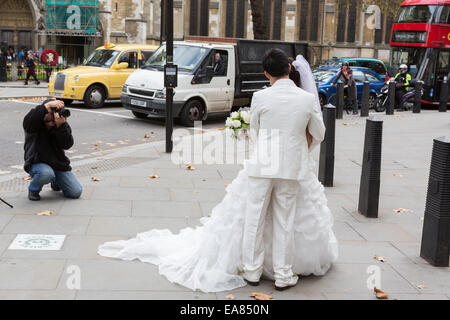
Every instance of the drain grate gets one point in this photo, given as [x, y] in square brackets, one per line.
[19, 185]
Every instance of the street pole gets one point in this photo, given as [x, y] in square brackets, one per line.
[169, 86]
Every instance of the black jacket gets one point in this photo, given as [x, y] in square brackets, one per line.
[43, 145]
[350, 82]
[219, 68]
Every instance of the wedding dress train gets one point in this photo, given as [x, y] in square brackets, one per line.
[208, 257]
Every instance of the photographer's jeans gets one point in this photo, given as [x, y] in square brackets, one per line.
[43, 174]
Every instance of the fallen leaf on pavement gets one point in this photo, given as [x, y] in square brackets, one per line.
[402, 210]
[230, 297]
[421, 286]
[190, 168]
[220, 129]
[76, 170]
[154, 176]
[27, 178]
[96, 145]
[96, 179]
[45, 213]
[381, 259]
[146, 136]
[398, 175]
[227, 185]
[261, 296]
[380, 294]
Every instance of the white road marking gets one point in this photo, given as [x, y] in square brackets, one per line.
[4, 172]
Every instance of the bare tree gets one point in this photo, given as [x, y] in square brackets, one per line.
[388, 7]
[259, 23]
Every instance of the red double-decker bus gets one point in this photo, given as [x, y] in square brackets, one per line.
[421, 39]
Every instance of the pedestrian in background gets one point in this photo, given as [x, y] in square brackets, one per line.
[3, 62]
[30, 63]
[346, 76]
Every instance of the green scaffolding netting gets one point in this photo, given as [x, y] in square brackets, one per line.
[80, 15]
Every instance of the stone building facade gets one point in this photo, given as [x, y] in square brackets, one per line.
[330, 29]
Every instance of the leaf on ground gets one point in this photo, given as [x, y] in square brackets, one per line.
[398, 175]
[380, 294]
[45, 213]
[261, 296]
[96, 145]
[220, 129]
[230, 297]
[402, 210]
[190, 168]
[345, 124]
[154, 176]
[381, 259]
[146, 136]
[96, 179]
[227, 185]
[421, 286]
[76, 170]
[29, 178]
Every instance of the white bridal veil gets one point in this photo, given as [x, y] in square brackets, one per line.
[307, 81]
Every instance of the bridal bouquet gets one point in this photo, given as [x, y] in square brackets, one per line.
[238, 124]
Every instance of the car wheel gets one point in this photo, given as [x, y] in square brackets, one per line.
[372, 100]
[193, 111]
[67, 102]
[323, 100]
[95, 97]
[139, 115]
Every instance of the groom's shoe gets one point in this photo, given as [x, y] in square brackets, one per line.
[283, 288]
[252, 283]
[286, 284]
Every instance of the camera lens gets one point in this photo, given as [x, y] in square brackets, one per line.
[65, 113]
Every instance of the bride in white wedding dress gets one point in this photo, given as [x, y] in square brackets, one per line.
[208, 258]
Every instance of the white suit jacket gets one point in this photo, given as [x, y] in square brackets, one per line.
[279, 118]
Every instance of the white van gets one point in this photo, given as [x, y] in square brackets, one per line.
[204, 86]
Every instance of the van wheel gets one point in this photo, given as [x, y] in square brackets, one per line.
[67, 102]
[95, 97]
[193, 111]
[139, 115]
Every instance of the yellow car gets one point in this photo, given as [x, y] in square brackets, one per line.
[101, 77]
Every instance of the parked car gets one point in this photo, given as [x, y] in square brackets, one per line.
[373, 64]
[201, 91]
[101, 77]
[327, 93]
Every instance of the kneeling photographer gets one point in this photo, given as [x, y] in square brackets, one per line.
[47, 135]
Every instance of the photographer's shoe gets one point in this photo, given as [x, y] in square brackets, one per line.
[33, 196]
[55, 187]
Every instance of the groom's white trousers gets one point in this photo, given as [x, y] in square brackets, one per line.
[279, 196]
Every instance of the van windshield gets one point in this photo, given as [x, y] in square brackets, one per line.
[102, 58]
[185, 57]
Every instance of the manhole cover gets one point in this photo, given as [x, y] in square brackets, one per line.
[37, 242]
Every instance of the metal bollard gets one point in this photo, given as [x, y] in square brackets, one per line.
[369, 193]
[365, 100]
[436, 226]
[391, 105]
[444, 96]
[340, 101]
[326, 162]
[418, 97]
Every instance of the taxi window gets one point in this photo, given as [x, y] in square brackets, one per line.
[379, 68]
[146, 55]
[131, 57]
[365, 64]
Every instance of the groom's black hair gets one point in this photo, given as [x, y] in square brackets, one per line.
[276, 63]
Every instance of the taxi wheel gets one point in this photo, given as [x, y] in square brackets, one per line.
[95, 97]
[140, 115]
[193, 111]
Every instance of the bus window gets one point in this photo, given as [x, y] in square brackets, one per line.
[416, 14]
[443, 16]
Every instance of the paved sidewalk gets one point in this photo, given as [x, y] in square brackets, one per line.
[126, 201]
[17, 89]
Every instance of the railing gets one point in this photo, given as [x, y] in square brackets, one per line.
[43, 72]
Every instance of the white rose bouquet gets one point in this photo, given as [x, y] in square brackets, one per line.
[238, 124]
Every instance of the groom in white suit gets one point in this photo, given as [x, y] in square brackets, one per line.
[281, 116]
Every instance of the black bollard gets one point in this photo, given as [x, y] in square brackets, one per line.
[391, 105]
[418, 97]
[436, 225]
[444, 96]
[326, 162]
[365, 100]
[340, 101]
[369, 193]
